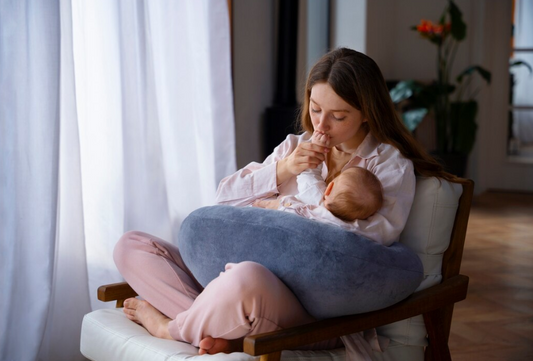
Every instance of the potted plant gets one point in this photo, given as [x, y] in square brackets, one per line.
[451, 102]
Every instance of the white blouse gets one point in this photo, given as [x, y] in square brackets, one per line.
[396, 173]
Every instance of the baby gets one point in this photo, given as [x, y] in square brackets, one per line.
[356, 193]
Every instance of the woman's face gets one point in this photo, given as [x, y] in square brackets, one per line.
[332, 115]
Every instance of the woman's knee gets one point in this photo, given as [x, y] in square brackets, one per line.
[251, 278]
[124, 246]
[261, 295]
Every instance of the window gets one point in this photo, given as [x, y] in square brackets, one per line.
[520, 145]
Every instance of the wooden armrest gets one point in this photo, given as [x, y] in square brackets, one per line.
[447, 293]
[116, 292]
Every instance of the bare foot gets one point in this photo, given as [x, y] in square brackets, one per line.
[148, 316]
[210, 345]
[320, 138]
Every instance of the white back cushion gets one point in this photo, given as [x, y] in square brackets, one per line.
[427, 232]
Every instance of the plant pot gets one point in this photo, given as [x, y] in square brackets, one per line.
[454, 163]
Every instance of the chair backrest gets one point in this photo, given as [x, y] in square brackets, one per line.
[451, 263]
[436, 231]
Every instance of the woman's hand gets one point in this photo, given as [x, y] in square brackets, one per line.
[306, 156]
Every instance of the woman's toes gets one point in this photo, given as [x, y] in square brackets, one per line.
[210, 345]
[206, 344]
[131, 303]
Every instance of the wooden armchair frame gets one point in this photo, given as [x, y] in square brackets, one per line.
[434, 303]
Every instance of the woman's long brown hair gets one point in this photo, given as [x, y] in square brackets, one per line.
[357, 79]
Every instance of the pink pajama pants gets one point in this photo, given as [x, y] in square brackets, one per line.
[246, 298]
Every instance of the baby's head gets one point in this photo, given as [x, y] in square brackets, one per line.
[356, 193]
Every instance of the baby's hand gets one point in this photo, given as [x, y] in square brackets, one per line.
[267, 204]
[320, 138]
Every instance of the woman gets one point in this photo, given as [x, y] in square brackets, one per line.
[345, 98]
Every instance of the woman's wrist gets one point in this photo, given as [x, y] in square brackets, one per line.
[282, 172]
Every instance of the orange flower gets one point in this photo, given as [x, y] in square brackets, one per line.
[434, 32]
[425, 26]
[437, 29]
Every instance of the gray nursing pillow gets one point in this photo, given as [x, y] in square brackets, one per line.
[332, 272]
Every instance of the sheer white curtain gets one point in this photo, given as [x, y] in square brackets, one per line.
[114, 115]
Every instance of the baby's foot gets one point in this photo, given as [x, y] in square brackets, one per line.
[148, 316]
[211, 346]
[320, 138]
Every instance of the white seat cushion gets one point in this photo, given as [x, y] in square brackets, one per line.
[107, 335]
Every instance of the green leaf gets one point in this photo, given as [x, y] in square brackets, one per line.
[463, 126]
[412, 118]
[519, 63]
[404, 90]
[442, 19]
[458, 30]
[484, 73]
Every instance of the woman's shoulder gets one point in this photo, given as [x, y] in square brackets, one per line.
[395, 171]
[389, 151]
[387, 154]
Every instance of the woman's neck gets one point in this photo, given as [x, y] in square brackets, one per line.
[342, 153]
[336, 160]
[351, 145]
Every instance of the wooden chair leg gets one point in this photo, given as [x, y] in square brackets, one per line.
[437, 349]
[275, 356]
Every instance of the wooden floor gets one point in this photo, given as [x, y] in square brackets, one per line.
[495, 322]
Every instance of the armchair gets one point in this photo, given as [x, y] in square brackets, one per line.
[418, 326]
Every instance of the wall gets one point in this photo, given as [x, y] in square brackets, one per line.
[313, 38]
[398, 50]
[254, 63]
[348, 24]
[253, 73]
[402, 54]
